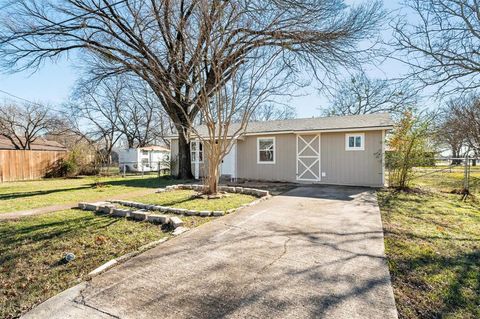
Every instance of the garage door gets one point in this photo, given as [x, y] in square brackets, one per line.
[308, 158]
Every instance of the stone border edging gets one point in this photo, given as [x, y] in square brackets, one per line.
[229, 189]
[142, 215]
[108, 208]
[111, 263]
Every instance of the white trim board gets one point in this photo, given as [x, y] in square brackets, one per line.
[274, 150]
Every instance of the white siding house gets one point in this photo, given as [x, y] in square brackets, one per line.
[144, 159]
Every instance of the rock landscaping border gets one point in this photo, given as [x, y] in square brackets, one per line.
[142, 210]
[229, 189]
[140, 215]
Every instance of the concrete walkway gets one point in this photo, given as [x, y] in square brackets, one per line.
[314, 252]
[55, 208]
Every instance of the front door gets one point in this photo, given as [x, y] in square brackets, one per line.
[229, 163]
[308, 157]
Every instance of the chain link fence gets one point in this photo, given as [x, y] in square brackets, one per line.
[451, 174]
[140, 168]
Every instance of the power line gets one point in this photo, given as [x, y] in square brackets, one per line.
[18, 97]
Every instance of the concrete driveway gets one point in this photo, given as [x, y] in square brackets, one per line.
[314, 252]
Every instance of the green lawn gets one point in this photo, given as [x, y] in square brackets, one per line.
[34, 194]
[31, 248]
[185, 199]
[432, 244]
[445, 179]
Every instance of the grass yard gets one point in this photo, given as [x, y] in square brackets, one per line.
[31, 248]
[446, 180]
[432, 242]
[34, 194]
[185, 199]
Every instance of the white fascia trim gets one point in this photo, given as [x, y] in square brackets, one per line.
[269, 133]
[375, 128]
[383, 157]
[274, 150]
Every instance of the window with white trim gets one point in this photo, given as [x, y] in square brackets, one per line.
[193, 151]
[266, 150]
[355, 142]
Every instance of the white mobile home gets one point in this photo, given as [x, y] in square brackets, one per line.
[144, 159]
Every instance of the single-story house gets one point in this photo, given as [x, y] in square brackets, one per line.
[341, 150]
[144, 159]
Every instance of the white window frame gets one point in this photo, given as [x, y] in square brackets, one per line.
[274, 150]
[200, 151]
[355, 135]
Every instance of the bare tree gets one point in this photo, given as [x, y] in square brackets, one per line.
[464, 117]
[95, 117]
[441, 44]
[450, 130]
[121, 108]
[141, 118]
[363, 95]
[163, 42]
[253, 84]
[22, 124]
[273, 111]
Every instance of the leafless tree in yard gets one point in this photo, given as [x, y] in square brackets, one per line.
[273, 111]
[23, 124]
[121, 108]
[440, 43]
[164, 42]
[362, 95]
[95, 116]
[463, 119]
[254, 83]
[450, 130]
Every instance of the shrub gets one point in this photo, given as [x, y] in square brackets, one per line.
[408, 147]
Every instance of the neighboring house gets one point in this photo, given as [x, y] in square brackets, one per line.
[144, 159]
[40, 144]
[343, 150]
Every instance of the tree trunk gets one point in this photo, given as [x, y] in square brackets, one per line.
[213, 175]
[184, 160]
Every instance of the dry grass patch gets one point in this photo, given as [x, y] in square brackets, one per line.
[31, 248]
[433, 248]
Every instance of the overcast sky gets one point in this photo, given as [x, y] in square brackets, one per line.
[53, 82]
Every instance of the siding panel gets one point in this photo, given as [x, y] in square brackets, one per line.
[352, 167]
[284, 168]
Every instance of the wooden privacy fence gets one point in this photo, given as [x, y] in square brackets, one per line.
[19, 165]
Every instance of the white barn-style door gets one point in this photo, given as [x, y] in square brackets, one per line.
[308, 157]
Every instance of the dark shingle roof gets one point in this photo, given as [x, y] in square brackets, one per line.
[380, 120]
